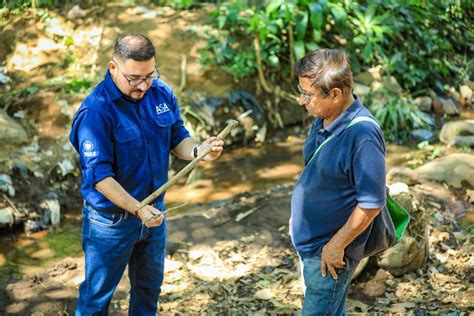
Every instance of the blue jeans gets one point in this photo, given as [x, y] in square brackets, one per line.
[111, 240]
[324, 296]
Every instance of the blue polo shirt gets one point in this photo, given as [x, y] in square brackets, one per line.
[348, 171]
[126, 139]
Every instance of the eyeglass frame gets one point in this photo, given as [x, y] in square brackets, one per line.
[308, 97]
[143, 79]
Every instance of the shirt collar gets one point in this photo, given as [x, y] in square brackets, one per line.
[115, 93]
[340, 124]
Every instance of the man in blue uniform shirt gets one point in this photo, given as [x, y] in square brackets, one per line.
[342, 187]
[124, 132]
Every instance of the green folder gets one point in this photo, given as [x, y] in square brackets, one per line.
[399, 215]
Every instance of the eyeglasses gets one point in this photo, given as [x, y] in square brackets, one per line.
[307, 97]
[138, 81]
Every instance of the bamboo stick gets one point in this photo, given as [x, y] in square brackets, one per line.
[232, 124]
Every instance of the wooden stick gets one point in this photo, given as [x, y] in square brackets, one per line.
[232, 124]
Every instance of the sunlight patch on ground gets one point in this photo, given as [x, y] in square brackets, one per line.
[283, 171]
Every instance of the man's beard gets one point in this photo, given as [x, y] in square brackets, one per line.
[114, 79]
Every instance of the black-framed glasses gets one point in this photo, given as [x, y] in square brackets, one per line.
[138, 81]
[307, 96]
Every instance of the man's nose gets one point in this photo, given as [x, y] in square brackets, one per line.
[301, 100]
[143, 86]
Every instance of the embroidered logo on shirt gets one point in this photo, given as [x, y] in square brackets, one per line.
[88, 149]
[162, 108]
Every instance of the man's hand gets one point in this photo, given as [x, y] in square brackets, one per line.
[150, 216]
[331, 259]
[217, 148]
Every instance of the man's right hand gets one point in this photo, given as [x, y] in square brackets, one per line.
[150, 216]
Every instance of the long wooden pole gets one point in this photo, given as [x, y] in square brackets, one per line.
[230, 126]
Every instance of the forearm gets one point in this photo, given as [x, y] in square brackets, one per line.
[113, 191]
[184, 150]
[355, 225]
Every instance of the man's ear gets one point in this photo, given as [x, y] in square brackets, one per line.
[112, 67]
[337, 95]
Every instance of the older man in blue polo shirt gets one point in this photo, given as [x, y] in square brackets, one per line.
[342, 187]
[124, 132]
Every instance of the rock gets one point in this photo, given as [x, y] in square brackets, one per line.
[449, 106]
[424, 104]
[6, 217]
[398, 188]
[76, 13]
[361, 90]
[455, 169]
[365, 78]
[458, 133]
[4, 78]
[466, 95]
[66, 166]
[406, 256]
[265, 294]
[422, 134]
[470, 196]
[391, 84]
[6, 185]
[356, 306]
[52, 208]
[376, 286]
[10, 131]
[402, 174]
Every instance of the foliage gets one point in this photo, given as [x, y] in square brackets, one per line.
[421, 43]
[397, 115]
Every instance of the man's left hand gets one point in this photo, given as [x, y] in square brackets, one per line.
[331, 259]
[217, 148]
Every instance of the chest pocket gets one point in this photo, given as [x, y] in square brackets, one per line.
[163, 128]
[129, 145]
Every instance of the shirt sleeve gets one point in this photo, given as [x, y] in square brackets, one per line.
[91, 136]
[178, 131]
[368, 165]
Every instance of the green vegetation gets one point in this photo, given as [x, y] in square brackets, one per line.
[422, 43]
[397, 115]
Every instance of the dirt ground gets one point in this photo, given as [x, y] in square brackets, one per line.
[235, 257]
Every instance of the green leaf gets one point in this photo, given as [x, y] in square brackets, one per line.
[311, 46]
[316, 13]
[273, 6]
[317, 36]
[368, 52]
[299, 49]
[339, 13]
[301, 25]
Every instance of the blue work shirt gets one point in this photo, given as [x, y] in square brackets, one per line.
[348, 171]
[126, 139]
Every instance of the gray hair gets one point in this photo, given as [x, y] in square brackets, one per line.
[329, 68]
[134, 46]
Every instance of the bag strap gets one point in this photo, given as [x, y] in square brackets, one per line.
[352, 123]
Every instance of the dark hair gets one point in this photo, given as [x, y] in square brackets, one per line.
[329, 68]
[134, 46]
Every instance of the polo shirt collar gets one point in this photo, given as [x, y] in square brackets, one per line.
[114, 92]
[340, 124]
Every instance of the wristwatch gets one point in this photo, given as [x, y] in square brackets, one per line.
[195, 151]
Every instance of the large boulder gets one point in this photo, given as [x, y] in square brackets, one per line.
[406, 256]
[458, 133]
[10, 131]
[457, 170]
